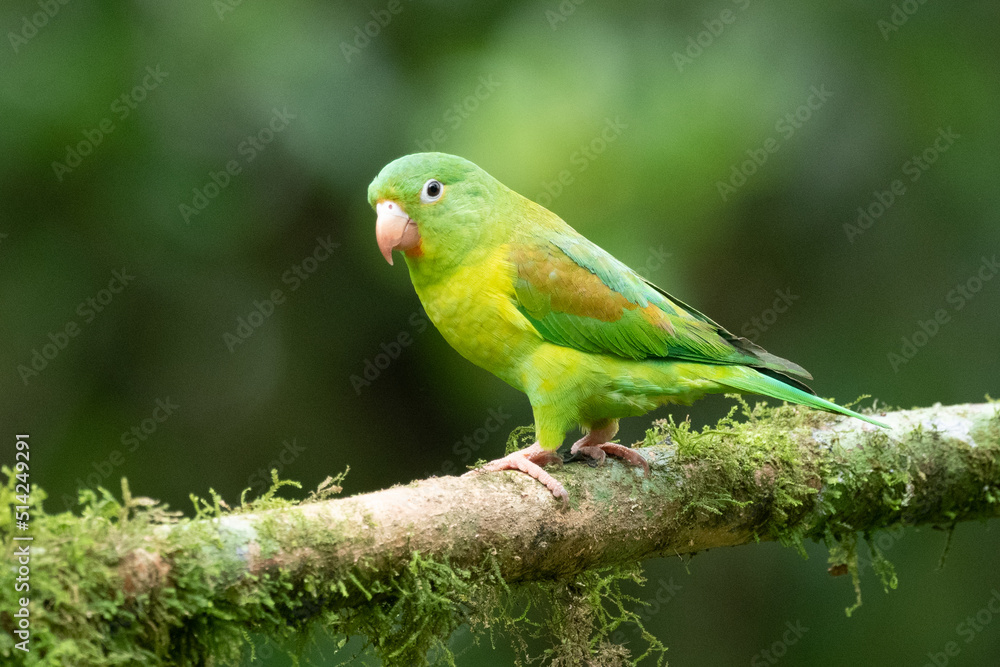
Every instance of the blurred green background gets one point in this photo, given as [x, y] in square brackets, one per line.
[120, 123]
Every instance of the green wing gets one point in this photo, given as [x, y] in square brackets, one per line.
[577, 295]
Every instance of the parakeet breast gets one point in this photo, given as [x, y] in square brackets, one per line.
[473, 309]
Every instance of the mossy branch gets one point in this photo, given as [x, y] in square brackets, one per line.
[405, 566]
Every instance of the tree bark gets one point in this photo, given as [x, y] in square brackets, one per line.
[125, 582]
[936, 465]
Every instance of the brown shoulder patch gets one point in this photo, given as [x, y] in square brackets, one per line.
[571, 288]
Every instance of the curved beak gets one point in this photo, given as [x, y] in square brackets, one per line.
[394, 229]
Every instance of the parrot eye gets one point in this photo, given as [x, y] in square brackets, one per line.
[431, 191]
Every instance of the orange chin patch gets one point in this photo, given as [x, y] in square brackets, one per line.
[416, 251]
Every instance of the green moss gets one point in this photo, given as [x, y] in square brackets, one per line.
[519, 438]
[579, 620]
[762, 471]
[757, 461]
[86, 610]
[410, 617]
[188, 597]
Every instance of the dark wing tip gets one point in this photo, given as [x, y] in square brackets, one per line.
[787, 379]
[771, 361]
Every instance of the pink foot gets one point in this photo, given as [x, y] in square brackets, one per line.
[622, 452]
[591, 445]
[530, 461]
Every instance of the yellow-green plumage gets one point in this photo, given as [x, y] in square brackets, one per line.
[518, 292]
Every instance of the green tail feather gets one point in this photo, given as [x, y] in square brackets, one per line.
[749, 381]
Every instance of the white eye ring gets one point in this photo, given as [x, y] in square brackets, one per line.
[432, 191]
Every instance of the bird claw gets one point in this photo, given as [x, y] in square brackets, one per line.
[592, 454]
[530, 461]
[572, 457]
[599, 453]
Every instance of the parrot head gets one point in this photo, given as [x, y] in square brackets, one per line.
[432, 207]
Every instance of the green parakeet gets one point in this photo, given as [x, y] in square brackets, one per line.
[520, 293]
